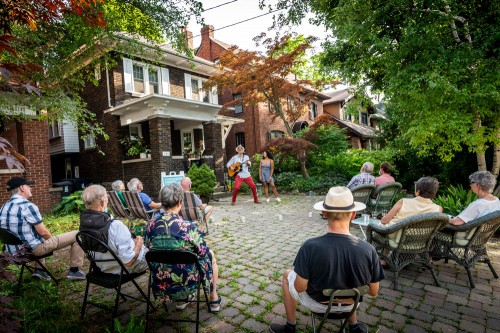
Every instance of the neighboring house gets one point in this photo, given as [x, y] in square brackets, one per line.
[30, 138]
[258, 127]
[156, 95]
[361, 128]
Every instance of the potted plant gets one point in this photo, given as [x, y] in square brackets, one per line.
[203, 181]
[134, 146]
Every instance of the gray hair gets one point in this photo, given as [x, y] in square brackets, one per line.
[132, 184]
[15, 191]
[484, 179]
[93, 195]
[427, 187]
[368, 167]
[116, 186]
[171, 195]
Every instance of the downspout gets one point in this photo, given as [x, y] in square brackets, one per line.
[107, 85]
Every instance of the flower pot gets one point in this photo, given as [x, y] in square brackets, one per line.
[204, 199]
[143, 155]
[149, 155]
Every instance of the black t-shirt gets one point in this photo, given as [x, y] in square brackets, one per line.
[337, 261]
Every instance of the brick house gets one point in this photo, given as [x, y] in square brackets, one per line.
[155, 95]
[361, 128]
[30, 138]
[258, 127]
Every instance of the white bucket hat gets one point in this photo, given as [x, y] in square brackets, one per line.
[240, 148]
[339, 199]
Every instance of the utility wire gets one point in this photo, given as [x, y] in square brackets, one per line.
[222, 4]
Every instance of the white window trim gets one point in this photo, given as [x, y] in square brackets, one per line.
[128, 76]
[192, 140]
[55, 125]
[139, 131]
[188, 89]
[89, 141]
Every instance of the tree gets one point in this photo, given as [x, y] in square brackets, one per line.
[296, 148]
[266, 78]
[436, 62]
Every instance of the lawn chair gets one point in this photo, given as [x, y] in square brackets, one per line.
[24, 256]
[136, 207]
[409, 243]
[189, 212]
[118, 209]
[384, 197]
[92, 245]
[466, 243]
[354, 294]
[180, 257]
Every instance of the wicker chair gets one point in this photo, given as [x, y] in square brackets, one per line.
[362, 193]
[384, 197]
[466, 243]
[409, 241]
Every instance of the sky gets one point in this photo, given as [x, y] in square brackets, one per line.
[230, 12]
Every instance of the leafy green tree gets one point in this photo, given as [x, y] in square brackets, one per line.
[436, 61]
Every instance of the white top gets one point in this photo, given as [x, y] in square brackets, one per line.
[244, 168]
[121, 242]
[479, 208]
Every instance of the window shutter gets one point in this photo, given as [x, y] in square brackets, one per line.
[187, 86]
[215, 97]
[165, 81]
[128, 75]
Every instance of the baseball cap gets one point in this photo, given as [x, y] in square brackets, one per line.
[14, 183]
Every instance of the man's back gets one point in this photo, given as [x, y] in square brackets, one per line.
[336, 261]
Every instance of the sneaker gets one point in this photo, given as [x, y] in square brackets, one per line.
[267, 200]
[181, 306]
[215, 305]
[278, 199]
[40, 274]
[278, 328]
[78, 275]
[358, 328]
[256, 201]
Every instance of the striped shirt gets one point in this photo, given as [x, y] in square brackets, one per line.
[20, 217]
[361, 179]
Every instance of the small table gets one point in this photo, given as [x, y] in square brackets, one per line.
[361, 223]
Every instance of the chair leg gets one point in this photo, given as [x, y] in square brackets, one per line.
[147, 306]
[118, 294]
[143, 294]
[488, 261]
[434, 275]
[471, 281]
[85, 300]
[313, 323]
[198, 307]
[45, 269]
[20, 278]
[396, 284]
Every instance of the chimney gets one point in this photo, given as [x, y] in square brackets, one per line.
[189, 37]
[207, 31]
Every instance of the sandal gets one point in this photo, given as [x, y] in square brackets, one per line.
[215, 305]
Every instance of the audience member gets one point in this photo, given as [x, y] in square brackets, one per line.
[168, 231]
[114, 233]
[335, 260]
[364, 177]
[135, 185]
[23, 218]
[119, 187]
[385, 174]
[206, 209]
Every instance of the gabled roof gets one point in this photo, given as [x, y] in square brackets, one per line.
[221, 43]
[363, 131]
[338, 96]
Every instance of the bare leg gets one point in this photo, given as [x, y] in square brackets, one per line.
[215, 278]
[266, 189]
[288, 300]
[275, 191]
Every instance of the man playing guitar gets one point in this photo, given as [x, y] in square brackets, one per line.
[243, 161]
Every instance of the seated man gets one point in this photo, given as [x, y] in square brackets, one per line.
[119, 187]
[103, 226]
[364, 177]
[336, 260]
[135, 185]
[24, 219]
[206, 209]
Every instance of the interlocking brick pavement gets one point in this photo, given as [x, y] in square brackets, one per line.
[253, 254]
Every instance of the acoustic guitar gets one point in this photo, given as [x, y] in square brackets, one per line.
[234, 169]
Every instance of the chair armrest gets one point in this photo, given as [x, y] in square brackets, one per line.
[152, 210]
[388, 229]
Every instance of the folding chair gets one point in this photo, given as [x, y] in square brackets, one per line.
[136, 207]
[189, 212]
[156, 257]
[335, 295]
[92, 245]
[24, 255]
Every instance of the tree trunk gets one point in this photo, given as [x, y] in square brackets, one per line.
[481, 161]
[495, 168]
[303, 169]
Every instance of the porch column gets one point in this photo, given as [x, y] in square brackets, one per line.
[161, 140]
[213, 147]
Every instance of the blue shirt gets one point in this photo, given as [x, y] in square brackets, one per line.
[146, 200]
[20, 216]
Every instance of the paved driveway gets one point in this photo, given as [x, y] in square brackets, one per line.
[253, 247]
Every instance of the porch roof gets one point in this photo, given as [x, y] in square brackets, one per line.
[155, 105]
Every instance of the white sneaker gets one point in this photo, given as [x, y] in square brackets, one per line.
[181, 306]
[267, 199]
[278, 199]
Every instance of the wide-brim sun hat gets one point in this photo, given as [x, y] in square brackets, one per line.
[339, 199]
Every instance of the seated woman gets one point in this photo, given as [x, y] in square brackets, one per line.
[482, 183]
[425, 190]
[169, 231]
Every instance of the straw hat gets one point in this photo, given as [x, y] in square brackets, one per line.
[339, 199]
[240, 148]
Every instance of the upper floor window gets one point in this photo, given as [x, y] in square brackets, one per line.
[364, 118]
[276, 134]
[89, 141]
[313, 110]
[193, 87]
[141, 78]
[54, 130]
[238, 108]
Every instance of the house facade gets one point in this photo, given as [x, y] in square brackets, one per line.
[259, 126]
[154, 96]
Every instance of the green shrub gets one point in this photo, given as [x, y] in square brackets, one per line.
[349, 162]
[70, 204]
[454, 199]
[289, 181]
[203, 180]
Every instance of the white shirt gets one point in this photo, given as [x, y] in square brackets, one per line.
[479, 208]
[244, 168]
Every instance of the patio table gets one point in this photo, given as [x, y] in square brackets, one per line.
[362, 223]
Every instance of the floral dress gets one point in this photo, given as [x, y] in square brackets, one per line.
[169, 231]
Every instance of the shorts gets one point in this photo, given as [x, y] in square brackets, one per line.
[306, 300]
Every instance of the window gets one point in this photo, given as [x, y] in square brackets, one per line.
[97, 72]
[153, 81]
[89, 141]
[54, 130]
[276, 134]
[194, 90]
[240, 139]
[364, 118]
[138, 72]
[238, 108]
[313, 110]
[187, 142]
[135, 131]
